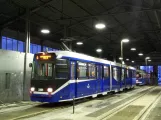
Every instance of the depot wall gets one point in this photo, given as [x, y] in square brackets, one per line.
[11, 76]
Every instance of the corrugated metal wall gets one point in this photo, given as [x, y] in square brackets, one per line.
[11, 76]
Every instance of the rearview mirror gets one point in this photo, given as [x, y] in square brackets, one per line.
[30, 64]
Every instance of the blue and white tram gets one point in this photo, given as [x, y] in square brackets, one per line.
[61, 75]
[141, 77]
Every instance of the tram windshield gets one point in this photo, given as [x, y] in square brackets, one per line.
[44, 69]
[50, 69]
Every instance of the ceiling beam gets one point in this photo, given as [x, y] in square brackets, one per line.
[157, 18]
[122, 25]
[78, 22]
[152, 26]
[33, 10]
[81, 7]
[111, 14]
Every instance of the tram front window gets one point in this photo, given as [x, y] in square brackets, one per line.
[43, 70]
[51, 70]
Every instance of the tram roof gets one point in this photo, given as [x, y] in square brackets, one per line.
[85, 57]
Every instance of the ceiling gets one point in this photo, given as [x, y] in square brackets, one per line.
[137, 20]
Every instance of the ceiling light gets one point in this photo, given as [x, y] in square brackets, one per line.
[125, 40]
[100, 26]
[99, 50]
[127, 59]
[79, 43]
[133, 49]
[132, 61]
[120, 58]
[149, 60]
[45, 31]
[140, 54]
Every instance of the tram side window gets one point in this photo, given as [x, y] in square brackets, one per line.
[133, 74]
[127, 73]
[130, 73]
[116, 73]
[72, 70]
[123, 74]
[82, 70]
[61, 69]
[106, 72]
[92, 70]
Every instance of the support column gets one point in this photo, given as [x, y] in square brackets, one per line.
[28, 32]
[65, 31]
[155, 76]
[25, 88]
[70, 35]
[122, 52]
[42, 43]
[114, 58]
[70, 45]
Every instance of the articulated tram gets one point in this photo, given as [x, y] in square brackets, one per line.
[59, 76]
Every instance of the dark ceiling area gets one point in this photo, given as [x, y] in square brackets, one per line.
[74, 20]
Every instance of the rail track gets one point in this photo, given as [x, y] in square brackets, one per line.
[47, 108]
[135, 109]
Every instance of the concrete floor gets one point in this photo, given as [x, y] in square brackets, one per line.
[140, 103]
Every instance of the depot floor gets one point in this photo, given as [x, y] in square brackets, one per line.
[141, 103]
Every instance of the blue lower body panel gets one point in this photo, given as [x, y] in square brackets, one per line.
[80, 89]
[115, 85]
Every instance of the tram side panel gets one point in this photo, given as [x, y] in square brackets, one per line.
[128, 79]
[133, 78]
[61, 91]
[86, 87]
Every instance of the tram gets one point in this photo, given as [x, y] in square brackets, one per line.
[59, 76]
[141, 77]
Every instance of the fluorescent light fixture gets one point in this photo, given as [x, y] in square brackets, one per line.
[100, 26]
[140, 54]
[120, 58]
[125, 40]
[127, 59]
[149, 60]
[123, 62]
[99, 50]
[132, 61]
[79, 43]
[45, 31]
[133, 49]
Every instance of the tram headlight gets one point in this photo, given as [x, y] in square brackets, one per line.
[32, 89]
[50, 90]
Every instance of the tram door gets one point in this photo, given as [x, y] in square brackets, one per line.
[123, 79]
[73, 71]
[99, 79]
